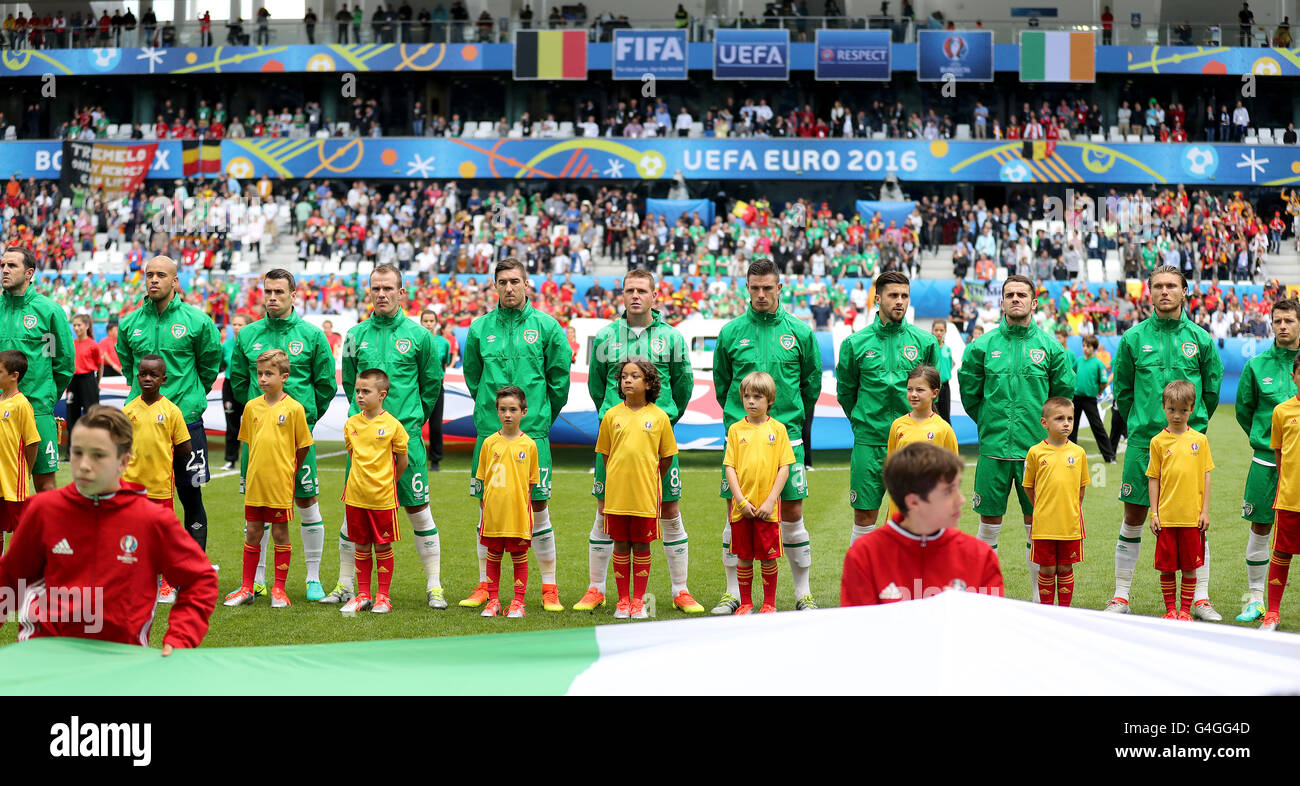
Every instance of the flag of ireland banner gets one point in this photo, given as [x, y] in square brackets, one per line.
[1057, 57]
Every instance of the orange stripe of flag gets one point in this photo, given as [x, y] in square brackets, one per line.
[1083, 65]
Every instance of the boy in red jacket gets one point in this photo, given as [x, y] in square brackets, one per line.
[87, 556]
[919, 552]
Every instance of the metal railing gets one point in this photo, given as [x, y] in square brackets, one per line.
[277, 32]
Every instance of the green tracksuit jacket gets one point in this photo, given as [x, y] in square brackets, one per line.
[1005, 376]
[403, 349]
[189, 344]
[312, 382]
[1265, 382]
[871, 375]
[779, 344]
[1154, 353]
[1090, 377]
[661, 344]
[36, 326]
[522, 347]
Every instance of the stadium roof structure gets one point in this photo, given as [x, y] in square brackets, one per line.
[954, 643]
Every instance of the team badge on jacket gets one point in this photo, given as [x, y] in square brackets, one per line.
[1189, 349]
[403, 345]
[128, 544]
[910, 352]
[29, 321]
[295, 347]
[787, 341]
[178, 331]
[658, 345]
[1037, 355]
[530, 336]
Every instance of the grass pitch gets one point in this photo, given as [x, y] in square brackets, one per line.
[826, 513]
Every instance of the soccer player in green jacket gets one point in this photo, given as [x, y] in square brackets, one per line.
[1005, 377]
[640, 334]
[312, 384]
[1265, 382]
[769, 338]
[189, 342]
[1090, 378]
[392, 341]
[515, 344]
[943, 405]
[871, 384]
[36, 326]
[1158, 350]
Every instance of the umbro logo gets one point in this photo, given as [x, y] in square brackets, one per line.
[62, 547]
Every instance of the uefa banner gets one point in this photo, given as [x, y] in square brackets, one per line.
[115, 169]
[659, 53]
[751, 54]
[1081, 164]
[853, 55]
[963, 56]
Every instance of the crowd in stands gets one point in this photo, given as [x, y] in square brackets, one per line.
[1206, 236]
[1112, 310]
[433, 229]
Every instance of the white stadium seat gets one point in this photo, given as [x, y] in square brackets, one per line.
[1096, 270]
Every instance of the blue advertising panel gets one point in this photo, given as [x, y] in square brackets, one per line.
[1074, 162]
[965, 55]
[1211, 60]
[853, 55]
[751, 54]
[661, 53]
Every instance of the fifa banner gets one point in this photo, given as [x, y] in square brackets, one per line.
[114, 168]
[1056, 650]
[751, 54]
[961, 56]
[657, 53]
[1210, 60]
[849, 55]
[1083, 165]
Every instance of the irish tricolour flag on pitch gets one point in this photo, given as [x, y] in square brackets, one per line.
[1057, 57]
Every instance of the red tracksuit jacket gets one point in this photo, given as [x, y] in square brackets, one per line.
[891, 564]
[120, 542]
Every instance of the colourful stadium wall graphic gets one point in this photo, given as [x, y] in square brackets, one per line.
[599, 158]
[1270, 61]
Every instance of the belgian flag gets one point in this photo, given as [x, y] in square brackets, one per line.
[1037, 149]
[551, 54]
[201, 156]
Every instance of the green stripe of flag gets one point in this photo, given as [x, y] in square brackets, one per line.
[539, 663]
[1033, 56]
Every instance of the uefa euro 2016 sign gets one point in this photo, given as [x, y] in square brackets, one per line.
[845, 55]
[661, 53]
[965, 56]
[751, 54]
